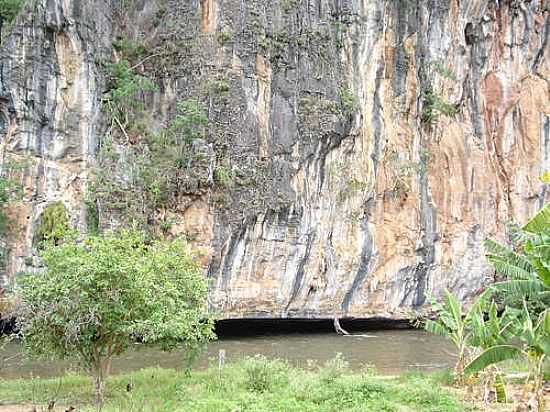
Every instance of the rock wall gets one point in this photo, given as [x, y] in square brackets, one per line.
[372, 145]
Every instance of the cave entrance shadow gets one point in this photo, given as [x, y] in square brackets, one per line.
[229, 328]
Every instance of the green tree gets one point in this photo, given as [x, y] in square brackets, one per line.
[99, 295]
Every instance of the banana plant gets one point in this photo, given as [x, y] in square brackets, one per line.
[527, 268]
[533, 346]
[453, 324]
[488, 329]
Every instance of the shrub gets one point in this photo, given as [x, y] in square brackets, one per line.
[9, 9]
[434, 105]
[263, 374]
[333, 369]
[122, 100]
[101, 294]
[348, 100]
[54, 223]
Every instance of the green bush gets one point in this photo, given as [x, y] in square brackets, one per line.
[333, 369]
[9, 9]
[263, 374]
[125, 86]
[348, 100]
[54, 223]
[434, 105]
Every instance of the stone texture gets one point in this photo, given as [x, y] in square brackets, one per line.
[343, 202]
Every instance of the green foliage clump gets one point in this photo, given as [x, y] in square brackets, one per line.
[219, 87]
[92, 217]
[434, 105]
[189, 123]
[9, 9]
[223, 176]
[348, 100]
[101, 294]
[224, 37]
[54, 223]
[263, 374]
[169, 156]
[333, 369]
[130, 49]
[440, 68]
[125, 88]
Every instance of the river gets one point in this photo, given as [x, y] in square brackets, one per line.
[390, 352]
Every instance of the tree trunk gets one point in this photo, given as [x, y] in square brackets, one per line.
[339, 330]
[101, 370]
[99, 385]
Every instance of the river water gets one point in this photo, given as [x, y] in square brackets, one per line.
[390, 352]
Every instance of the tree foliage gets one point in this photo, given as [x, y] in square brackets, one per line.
[101, 294]
[9, 9]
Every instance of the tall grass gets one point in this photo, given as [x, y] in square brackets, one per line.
[254, 384]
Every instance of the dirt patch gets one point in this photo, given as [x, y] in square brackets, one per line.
[517, 402]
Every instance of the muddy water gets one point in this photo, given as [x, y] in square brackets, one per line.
[391, 352]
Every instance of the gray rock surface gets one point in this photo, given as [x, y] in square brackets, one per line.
[371, 145]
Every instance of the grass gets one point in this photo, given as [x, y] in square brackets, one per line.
[254, 384]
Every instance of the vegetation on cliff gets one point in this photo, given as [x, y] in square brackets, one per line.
[9, 9]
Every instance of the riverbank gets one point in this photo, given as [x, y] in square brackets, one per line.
[250, 385]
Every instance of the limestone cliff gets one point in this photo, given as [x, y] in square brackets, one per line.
[368, 147]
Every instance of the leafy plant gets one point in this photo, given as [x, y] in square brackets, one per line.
[527, 267]
[9, 9]
[263, 374]
[125, 87]
[440, 68]
[490, 328]
[92, 217]
[534, 347]
[452, 323]
[348, 100]
[223, 175]
[189, 123]
[99, 295]
[224, 37]
[54, 223]
[333, 369]
[434, 105]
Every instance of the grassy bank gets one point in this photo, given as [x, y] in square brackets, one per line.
[250, 385]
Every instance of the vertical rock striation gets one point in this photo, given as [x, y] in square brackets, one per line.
[373, 145]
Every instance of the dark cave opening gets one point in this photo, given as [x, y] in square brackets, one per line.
[257, 327]
[229, 328]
